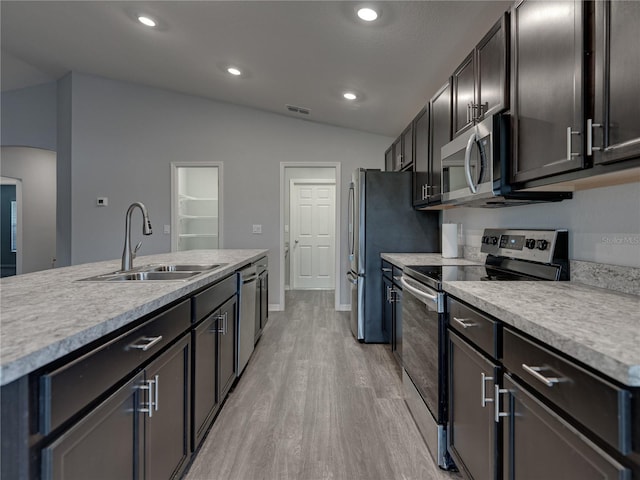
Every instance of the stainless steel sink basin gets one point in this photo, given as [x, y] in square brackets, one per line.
[181, 268]
[152, 276]
[155, 272]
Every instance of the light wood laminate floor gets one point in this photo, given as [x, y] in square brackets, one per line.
[315, 404]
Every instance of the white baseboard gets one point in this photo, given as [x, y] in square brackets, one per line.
[275, 307]
[344, 307]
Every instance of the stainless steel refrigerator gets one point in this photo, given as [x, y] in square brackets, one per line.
[381, 219]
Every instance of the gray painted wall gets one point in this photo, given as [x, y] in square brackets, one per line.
[37, 170]
[29, 117]
[603, 223]
[124, 137]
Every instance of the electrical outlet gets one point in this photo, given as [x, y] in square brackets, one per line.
[167, 229]
[257, 229]
[102, 201]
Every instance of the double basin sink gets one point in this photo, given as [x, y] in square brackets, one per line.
[155, 272]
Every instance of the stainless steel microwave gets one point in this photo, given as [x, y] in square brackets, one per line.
[475, 169]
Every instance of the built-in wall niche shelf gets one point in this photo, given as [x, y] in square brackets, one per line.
[196, 207]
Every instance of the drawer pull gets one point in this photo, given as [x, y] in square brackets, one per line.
[535, 373]
[464, 323]
[483, 389]
[149, 342]
[386, 270]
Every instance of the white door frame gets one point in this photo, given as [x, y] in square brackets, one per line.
[338, 233]
[308, 181]
[174, 198]
[18, 183]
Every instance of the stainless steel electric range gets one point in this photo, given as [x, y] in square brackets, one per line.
[512, 255]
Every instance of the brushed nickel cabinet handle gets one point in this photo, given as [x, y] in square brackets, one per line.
[148, 343]
[570, 153]
[497, 412]
[590, 127]
[535, 373]
[483, 390]
[464, 323]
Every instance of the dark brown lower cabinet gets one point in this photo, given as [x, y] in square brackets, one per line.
[140, 432]
[474, 441]
[214, 366]
[541, 444]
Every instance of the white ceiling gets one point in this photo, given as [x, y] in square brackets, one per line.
[304, 53]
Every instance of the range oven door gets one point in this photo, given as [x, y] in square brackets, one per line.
[424, 363]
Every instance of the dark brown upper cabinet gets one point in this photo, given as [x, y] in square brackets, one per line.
[389, 159]
[547, 88]
[614, 132]
[399, 156]
[480, 83]
[439, 136]
[406, 160]
[421, 167]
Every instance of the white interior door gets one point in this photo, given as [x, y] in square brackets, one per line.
[312, 234]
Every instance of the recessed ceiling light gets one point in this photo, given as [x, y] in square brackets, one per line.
[367, 14]
[234, 71]
[149, 22]
[349, 95]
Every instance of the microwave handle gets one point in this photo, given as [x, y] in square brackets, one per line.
[467, 162]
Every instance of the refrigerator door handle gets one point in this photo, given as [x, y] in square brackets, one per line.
[352, 278]
[351, 219]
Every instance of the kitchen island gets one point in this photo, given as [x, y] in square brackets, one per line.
[46, 315]
[124, 374]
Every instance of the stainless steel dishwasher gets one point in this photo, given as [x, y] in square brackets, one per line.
[247, 279]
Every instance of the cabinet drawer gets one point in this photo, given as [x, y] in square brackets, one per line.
[211, 298]
[477, 328]
[68, 389]
[397, 273]
[572, 388]
[387, 269]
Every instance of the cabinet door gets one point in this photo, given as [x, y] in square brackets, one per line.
[167, 422]
[472, 430]
[440, 122]
[397, 323]
[103, 445]
[464, 94]
[205, 400]
[407, 148]
[387, 311]
[397, 154]
[616, 135]
[547, 88]
[388, 159]
[421, 157]
[227, 339]
[540, 444]
[491, 66]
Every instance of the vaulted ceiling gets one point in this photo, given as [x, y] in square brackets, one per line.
[303, 53]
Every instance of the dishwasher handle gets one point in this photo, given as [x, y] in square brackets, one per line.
[422, 295]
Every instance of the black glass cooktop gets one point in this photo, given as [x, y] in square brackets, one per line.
[434, 275]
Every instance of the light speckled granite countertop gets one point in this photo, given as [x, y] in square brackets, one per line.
[599, 327]
[405, 259]
[46, 315]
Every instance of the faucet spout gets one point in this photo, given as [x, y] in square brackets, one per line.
[128, 255]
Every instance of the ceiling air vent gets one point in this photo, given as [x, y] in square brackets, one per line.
[295, 109]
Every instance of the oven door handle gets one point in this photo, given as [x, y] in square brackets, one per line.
[467, 162]
[424, 296]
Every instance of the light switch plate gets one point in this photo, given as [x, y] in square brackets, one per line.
[167, 229]
[257, 229]
[102, 201]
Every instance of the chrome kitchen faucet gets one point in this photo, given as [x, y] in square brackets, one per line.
[127, 254]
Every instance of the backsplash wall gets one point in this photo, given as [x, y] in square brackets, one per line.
[603, 223]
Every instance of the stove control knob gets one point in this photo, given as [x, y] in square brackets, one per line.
[530, 243]
[542, 244]
[494, 240]
[484, 239]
